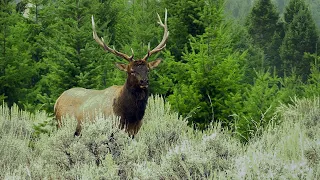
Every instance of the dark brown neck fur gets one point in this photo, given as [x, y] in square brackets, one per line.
[131, 104]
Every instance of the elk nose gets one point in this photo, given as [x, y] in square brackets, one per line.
[144, 83]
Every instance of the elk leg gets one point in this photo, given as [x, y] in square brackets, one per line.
[78, 130]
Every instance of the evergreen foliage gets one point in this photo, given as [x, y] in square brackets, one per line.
[259, 105]
[238, 9]
[185, 20]
[16, 66]
[262, 22]
[210, 85]
[266, 31]
[301, 37]
[214, 67]
[292, 9]
[67, 49]
[312, 87]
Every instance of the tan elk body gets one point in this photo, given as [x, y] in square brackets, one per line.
[128, 101]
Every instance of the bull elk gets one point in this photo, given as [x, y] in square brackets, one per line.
[128, 101]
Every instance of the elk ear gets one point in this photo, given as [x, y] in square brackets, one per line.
[154, 64]
[122, 67]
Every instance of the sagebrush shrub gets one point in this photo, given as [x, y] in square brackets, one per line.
[165, 147]
[15, 133]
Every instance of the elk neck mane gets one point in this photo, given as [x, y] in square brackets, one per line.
[133, 101]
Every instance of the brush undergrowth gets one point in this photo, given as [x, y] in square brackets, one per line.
[165, 148]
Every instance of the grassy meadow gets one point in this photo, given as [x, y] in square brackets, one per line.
[165, 148]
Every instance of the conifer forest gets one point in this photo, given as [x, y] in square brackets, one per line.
[236, 95]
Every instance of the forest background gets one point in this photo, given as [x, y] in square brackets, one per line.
[232, 61]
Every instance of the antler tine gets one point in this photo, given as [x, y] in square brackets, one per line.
[162, 44]
[132, 54]
[107, 48]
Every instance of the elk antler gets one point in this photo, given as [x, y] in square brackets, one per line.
[164, 39]
[107, 48]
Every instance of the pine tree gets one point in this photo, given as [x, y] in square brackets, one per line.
[210, 83]
[138, 26]
[312, 87]
[184, 20]
[266, 31]
[292, 9]
[301, 37]
[69, 55]
[259, 104]
[16, 66]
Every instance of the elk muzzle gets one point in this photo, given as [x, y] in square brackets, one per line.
[144, 83]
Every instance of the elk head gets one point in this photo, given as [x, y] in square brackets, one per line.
[137, 70]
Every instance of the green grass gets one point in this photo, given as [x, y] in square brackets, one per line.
[165, 148]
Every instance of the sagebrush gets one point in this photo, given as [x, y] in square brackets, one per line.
[165, 148]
